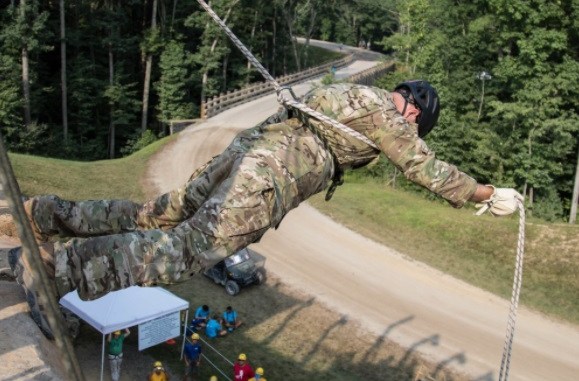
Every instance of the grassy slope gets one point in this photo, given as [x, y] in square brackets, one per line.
[74, 180]
[480, 250]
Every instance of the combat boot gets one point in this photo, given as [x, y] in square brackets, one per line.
[30, 286]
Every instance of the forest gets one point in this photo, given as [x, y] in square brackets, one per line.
[99, 79]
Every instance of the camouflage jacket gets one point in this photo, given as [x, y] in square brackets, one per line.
[371, 111]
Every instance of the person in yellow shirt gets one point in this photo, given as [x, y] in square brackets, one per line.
[258, 375]
[158, 373]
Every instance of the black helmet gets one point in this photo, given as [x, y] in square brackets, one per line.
[425, 98]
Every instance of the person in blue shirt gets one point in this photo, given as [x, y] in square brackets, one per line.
[192, 358]
[214, 328]
[201, 317]
[230, 319]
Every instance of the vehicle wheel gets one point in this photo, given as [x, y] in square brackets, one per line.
[232, 288]
[260, 276]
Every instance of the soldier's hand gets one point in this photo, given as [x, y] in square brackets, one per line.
[502, 202]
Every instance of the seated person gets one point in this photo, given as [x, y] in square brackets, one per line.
[230, 320]
[214, 328]
[201, 317]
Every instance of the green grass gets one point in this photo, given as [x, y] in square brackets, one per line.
[480, 250]
[74, 180]
[285, 333]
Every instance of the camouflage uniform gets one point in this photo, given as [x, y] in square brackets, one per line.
[234, 199]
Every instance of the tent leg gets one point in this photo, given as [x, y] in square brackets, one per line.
[184, 332]
[103, 357]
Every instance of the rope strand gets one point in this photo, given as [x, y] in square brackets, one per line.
[281, 99]
[517, 282]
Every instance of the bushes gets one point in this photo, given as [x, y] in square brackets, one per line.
[138, 141]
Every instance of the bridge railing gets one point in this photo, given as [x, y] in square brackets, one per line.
[369, 76]
[225, 101]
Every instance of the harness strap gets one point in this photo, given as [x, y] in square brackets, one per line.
[338, 177]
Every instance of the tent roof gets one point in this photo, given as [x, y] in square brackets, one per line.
[124, 308]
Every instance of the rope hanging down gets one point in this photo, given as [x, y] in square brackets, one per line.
[506, 359]
[279, 89]
[517, 282]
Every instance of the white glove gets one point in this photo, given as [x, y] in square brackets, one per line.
[502, 202]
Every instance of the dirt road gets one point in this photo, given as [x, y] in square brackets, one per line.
[452, 323]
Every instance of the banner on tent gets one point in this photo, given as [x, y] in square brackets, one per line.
[159, 330]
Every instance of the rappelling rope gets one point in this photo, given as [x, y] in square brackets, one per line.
[517, 281]
[291, 103]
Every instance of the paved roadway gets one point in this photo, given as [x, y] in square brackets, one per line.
[450, 322]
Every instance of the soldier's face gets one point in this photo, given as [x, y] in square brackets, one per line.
[411, 113]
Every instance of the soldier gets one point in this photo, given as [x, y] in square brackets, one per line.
[231, 201]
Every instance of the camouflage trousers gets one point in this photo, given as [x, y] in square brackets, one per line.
[227, 204]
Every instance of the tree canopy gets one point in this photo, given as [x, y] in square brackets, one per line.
[518, 126]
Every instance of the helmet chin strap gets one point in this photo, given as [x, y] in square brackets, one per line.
[405, 102]
[405, 106]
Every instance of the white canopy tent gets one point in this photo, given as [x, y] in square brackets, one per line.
[124, 308]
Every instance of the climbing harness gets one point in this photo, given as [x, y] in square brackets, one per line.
[293, 103]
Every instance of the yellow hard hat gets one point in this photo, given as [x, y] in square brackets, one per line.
[259, 371]
[242, 357]
[158, 364]
[213, 378]
[195, 336]
[117, 333]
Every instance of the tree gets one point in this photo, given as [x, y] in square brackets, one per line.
[122, 99]
[10, 96]
[63, 71]
[289, 12]
[26, 32]
[174, 84]
[152, 44]
[530, 118]
[209, 55]
[575, 197]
